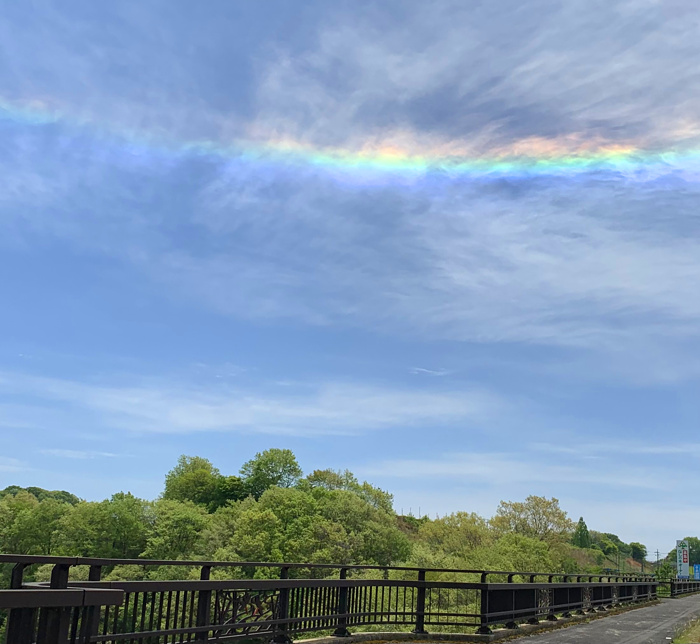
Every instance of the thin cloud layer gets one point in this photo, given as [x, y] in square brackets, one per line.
[337, 196]
[322, 409]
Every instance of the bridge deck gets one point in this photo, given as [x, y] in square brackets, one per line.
[646, 625]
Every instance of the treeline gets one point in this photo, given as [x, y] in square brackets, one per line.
[270, 511]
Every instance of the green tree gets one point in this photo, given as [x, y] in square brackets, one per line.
[623, 548]
[332, 479]
[118, 527]
[333, 543]
[30, 526]
[41, 494]
[131, 522]
[87, 531]
[42, 525]
[665, 570]
[377, 537]
[456, 534]
[519, 552]
[193, 479]
[536, 517]
[16, 512]
[581, 538]
[228, 488]
[258, 535]
[272, 467]
[176, 530]
[337, 480]
[639, 551]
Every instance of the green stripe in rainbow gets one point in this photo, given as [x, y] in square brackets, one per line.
[532, 158]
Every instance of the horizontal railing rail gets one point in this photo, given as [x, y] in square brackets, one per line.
[679, 587]
[218, 610]
[93, 562]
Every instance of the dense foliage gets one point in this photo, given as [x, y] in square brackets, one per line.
[270, 511]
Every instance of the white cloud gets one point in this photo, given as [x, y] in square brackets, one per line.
[597, 263]
[417, 371]
[12, 465]
[616, 447]
[510, 469]
[312, 409]
[77, 454]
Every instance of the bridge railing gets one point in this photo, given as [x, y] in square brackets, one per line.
[678, 587]
[208, 610]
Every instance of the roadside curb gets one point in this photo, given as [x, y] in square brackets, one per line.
[502, 634]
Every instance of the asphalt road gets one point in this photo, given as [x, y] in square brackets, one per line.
[649, 625]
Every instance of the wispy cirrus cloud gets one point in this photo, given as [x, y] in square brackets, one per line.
[78, 454]
[454, 72]
[592, 262]
[418, 371]
[310, 409]
[12, 465]
[509, 469]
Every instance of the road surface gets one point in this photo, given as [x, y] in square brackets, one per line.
[647, 625]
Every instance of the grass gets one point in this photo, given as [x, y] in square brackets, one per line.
[690, 635]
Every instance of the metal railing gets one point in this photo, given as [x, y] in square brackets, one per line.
[218, 610]
[678, 587]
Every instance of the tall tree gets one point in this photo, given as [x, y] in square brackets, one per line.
[87, 531]
[272, 467]
[193, 479]
[537, 517]
[639, 551]
[456, 534]
[177, 529]
[581, 538]
[41, 494]
[337, 480]
[16, 512]
[131, 522]
[228, 488]
[43, 524]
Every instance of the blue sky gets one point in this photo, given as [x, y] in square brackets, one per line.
[454, 340]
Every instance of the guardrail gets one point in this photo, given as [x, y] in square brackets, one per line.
[678, 587]
[212, 610]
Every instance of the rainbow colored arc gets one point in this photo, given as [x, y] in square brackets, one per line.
[531, 158]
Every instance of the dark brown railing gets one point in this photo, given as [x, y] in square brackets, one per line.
[218, 610]
[678, 587]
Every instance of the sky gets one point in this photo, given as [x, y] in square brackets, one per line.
[452, 247]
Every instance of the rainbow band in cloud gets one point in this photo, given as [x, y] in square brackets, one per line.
[532, 157]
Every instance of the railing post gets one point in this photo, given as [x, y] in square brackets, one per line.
[281, 636]
[17, 578]
[420, 604]
[92, 613]
[203, 606]
[20, 626]
[20, 621]
[342, 629]
[55, 622]
[484, 608]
